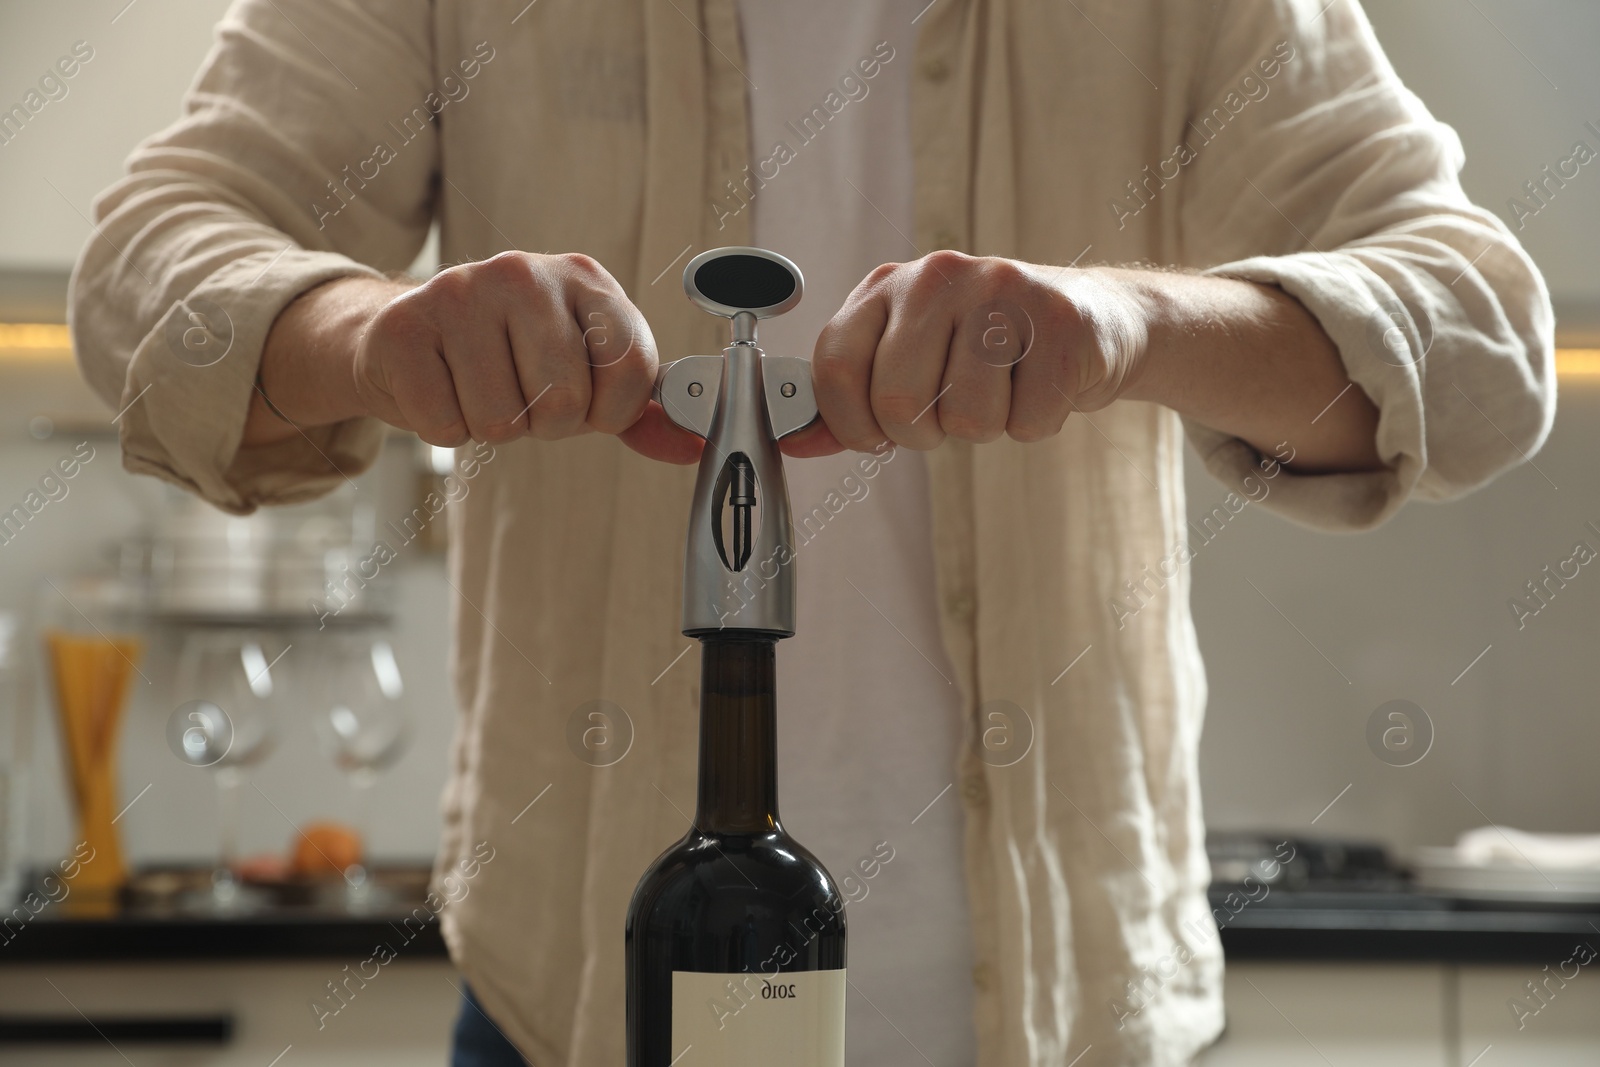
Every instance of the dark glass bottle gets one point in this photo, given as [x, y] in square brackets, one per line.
[737, 919]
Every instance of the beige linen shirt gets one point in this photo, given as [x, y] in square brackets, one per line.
[1264, 139]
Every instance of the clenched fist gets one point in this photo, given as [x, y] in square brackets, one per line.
[969, 347]
[522, 344]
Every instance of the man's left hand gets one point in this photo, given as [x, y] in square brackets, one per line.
[970, 347]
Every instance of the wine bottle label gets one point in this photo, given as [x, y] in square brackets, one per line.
[793, 1019]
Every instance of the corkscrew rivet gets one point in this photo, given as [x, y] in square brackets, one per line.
[695, 388]
[788, 389]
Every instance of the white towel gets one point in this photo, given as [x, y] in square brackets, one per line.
[1501, 845]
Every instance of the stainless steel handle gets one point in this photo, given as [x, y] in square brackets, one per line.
[791, 402]
[687, 390]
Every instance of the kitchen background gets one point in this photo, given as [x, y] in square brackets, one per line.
[1395, 614]
[1305, 634]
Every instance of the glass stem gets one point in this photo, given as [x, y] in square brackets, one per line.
[227, 825]
[361, 781]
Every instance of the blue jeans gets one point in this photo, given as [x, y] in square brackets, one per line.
[478, 1041]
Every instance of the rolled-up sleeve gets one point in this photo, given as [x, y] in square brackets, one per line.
[1332, 181]
[290, 166]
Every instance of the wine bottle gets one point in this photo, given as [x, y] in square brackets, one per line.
[736, 934]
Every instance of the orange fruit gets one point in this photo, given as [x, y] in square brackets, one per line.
[324, 850]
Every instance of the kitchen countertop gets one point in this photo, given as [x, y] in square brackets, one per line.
[1396, 926]
[286, 934]
[1282, 925]
[304, 922]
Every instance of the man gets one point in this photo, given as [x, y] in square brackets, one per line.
[1362, 334]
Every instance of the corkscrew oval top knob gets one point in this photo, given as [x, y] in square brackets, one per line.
[743, 280]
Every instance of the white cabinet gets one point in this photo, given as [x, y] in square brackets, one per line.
[1314, 1015]
[402, 1017]
[1563, 1031]
[1407, 1015]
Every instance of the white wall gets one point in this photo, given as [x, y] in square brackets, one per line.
[143, 62]
[1518, 80]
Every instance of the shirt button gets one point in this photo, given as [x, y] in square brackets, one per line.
[935, 69]
[974, 790]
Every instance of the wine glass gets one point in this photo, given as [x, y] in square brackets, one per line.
[361, 717]
[228, 681]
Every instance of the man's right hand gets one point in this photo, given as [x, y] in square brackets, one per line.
[518, 345]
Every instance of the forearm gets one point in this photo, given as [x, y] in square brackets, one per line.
[307, 366]
[1249, 360]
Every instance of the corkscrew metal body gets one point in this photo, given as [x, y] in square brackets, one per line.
[738, 571]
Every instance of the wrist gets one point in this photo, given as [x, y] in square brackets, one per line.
[1115, 315]
[1140, 308]
[307, 364]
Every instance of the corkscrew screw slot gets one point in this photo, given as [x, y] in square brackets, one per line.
[738, 509]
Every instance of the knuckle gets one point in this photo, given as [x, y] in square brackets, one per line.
[967, 426]
[1029, 432]
[581, 265]
[934, 275]
[509, 260]
[881, 273]
[917, 442]
[948, 261]
[451, 434]
[449, 290]
[507, 267]
[633, 376]
[831, 368]
[898, 409]
[625, 363]
[998, 275]
[499, 431]
[640, 358]
[562, 403]
[613, 340]
[861, 441]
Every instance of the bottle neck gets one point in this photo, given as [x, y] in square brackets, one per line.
[738, 735]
